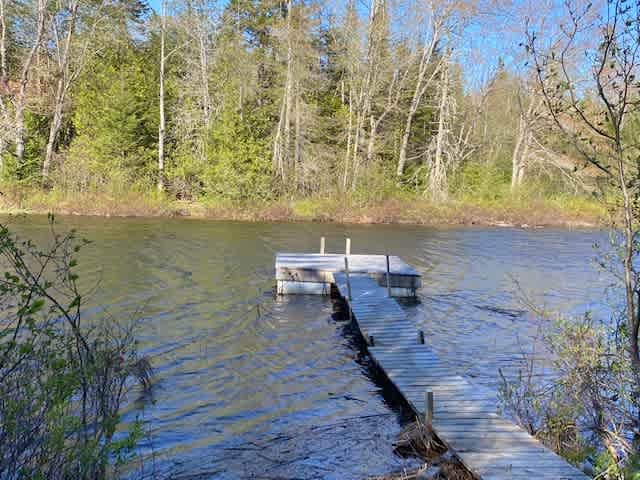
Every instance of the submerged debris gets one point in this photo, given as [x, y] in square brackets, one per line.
[419, 441]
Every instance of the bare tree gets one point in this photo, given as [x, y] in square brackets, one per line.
[394, 93]
[281, 142]
[530, 120]
[594, 116]
[368, 80]
[5, 125]
[426, 74]
[437, 176]
[62, 54]
[19, 99]
[194, 109]
[162, 121]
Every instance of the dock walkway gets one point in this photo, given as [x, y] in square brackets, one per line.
[465, 415]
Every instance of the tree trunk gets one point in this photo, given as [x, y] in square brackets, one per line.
[356, 146]
[347, 157]
[298, 137]
[438, 172]
[418, 92]
[24, 80]
[3, 46]
[281, 142]
[524, 159]
[61, 91]
[523, 142]
[372, 139]
[276, 159]
[56, 123]
[161, 127]
[288, 95]
[516, 157]
[204, 76]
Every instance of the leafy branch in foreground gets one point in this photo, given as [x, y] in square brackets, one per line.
[62, 381]
[588, 79]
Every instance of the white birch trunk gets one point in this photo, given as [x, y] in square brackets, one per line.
[418, 93]
[61, 90]
[347, 157]
[161, 127]
[20, 100]
[438, 172]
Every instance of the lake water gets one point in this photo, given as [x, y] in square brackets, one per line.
[284, 390]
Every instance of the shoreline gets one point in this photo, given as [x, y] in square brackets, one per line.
[407, 210]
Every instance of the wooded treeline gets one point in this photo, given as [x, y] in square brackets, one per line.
[259, 99]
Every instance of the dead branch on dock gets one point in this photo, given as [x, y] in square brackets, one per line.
[443, 469]
[418, 440]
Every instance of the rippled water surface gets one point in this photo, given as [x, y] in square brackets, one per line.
[250, 385]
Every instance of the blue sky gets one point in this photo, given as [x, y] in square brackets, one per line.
[494, 34]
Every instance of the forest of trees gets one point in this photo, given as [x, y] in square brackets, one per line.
[263, 99]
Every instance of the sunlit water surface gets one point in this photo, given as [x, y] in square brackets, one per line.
[283, 390]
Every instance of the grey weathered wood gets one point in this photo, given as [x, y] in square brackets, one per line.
[466, 416]
[319, 268]
[388, 278]
[346, 272]
[428, 411]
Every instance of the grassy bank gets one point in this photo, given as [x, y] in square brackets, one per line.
[519, 209]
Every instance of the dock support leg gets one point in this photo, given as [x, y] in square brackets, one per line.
[347, 247]
[388, 279]
[346, 273]
[428, 409]
[321, 245]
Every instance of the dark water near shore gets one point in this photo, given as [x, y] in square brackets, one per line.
[282, 390]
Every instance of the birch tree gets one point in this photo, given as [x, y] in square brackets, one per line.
[598, 131]
[290, 159]
[5, 122]
[64, 20]
[194, 106]
[161, 113]
[426, 74]
[529, 107]
[14, 88]
[282, 138]
[367, 81]
[437, 173]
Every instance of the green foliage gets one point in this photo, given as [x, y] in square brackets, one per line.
[488, 182]
[61, 382]
[108, 142]
[582, 412]
[115, 119]
[240, 165]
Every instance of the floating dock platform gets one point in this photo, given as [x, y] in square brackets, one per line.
[313, 273]
[463, 415]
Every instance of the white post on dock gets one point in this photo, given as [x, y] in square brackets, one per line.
[347, 247]
[388, 279]
[346, 273]
[321, 245]
[428, 408]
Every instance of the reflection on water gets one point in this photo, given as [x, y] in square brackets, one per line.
[283, 390]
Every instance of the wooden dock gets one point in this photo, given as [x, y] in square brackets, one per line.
[312, 273]
[464, 416]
